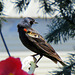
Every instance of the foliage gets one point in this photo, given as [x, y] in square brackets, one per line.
[63, 25]
[60, 29]
[22, 4]
[45, 5]
[67, 70]
[1, 13]
[1, 7]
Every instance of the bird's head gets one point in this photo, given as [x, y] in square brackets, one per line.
[27, 22]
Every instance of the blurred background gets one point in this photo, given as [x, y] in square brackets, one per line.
[56, 23]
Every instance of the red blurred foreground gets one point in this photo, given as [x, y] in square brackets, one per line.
[12, 66]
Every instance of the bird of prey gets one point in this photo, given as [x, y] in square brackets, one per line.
[35, 42]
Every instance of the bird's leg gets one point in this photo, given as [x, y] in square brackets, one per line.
[35, 55]
[36, 61]
[39, 59]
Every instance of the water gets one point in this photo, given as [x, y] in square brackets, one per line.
[11, 36]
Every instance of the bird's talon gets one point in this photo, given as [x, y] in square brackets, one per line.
[36, 66]
[29, 68]
[30, 63]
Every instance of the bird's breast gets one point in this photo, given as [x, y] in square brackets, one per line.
[27, 43]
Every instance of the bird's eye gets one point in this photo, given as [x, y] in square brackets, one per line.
[28, 32]
[31, 22]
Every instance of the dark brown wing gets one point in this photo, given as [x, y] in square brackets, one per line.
[39, 41]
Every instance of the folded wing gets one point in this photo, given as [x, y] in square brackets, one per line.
[46, 48]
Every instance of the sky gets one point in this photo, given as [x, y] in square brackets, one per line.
[31, 11]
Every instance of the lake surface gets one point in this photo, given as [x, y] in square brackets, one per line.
[9, 30]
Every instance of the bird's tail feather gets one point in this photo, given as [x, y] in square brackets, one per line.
[62, 63]
[54, 60]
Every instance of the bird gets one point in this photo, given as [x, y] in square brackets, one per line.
[31, 39]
